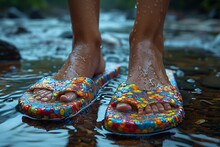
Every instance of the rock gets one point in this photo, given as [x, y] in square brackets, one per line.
[13, 12]
[1, 15]
[211, 82]
[214, 13]
[8, 52]
[67, 34]
[21, 30]
[195, 70]
[17, 30]
[110, 40]
[215, 45]
[35, 14]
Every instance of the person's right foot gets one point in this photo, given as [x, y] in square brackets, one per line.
[85, 60]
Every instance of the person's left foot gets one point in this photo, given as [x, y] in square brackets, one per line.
[147, 71]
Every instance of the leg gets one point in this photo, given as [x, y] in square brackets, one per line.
[146, 67]
[85, 58]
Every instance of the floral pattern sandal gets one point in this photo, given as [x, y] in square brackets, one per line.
[85, 88]
[136, 121]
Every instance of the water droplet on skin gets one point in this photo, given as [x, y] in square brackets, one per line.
[139, 68]
[155, 5]
[151, 11]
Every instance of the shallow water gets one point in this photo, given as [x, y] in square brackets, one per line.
[195, 70]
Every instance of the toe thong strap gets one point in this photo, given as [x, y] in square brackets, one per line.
[82, 86]
[130, 94]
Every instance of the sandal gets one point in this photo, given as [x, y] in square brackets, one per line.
[136, 122]
[85, 88]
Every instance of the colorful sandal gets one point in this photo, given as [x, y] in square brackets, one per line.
[85, 88]
[136, 122]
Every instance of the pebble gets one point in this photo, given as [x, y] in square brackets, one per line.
[8, 52]
[200, 121]
[211, 82]
[190, 81]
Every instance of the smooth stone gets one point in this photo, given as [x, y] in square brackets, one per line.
[8, 52]
[211, 82]
[67, 34]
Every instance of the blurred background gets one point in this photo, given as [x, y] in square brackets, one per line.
[209, 8]
[36, 38]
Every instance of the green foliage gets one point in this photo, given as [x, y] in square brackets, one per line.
[23, 5]
[183, 5]
[117, 4]
[202, 6]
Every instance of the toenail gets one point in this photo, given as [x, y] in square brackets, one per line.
[123, 107]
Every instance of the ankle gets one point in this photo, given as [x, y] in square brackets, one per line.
[137, 40]
[89, 38]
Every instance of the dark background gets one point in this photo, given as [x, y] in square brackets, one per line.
[208, 8]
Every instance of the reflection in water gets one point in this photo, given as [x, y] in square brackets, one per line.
[193, 70]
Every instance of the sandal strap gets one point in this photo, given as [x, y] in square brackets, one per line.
[130, 93]
[82, 86]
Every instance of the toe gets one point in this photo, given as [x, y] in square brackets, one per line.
[160, 107]
[45, 94]
[154, 108]
[123, 107]
[167, 106]
[49, 96]
[36, 91]
[148, 109]
[68, 97]
[39, 93]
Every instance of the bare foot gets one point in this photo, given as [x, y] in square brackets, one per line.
[147, 71]
[85, 60]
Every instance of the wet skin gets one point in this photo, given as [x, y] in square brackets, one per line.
[146, 68]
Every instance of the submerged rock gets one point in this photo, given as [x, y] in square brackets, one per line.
[8, 52]
[66, 34]
[13, 12]
[211, 82]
